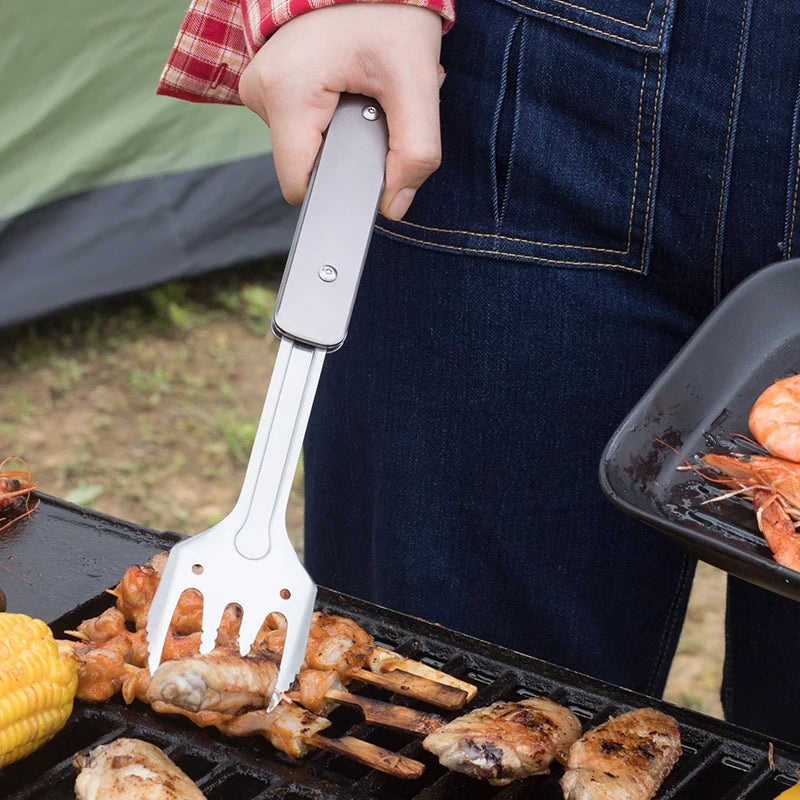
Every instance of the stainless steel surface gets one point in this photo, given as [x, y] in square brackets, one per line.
[340, 210]
[247, 558]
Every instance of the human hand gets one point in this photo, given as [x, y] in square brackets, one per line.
[388, 51]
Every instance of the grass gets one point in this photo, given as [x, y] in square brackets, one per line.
[145, 406]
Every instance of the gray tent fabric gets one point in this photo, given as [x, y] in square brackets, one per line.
[139, 233]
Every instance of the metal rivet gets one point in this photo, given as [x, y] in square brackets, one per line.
[370, 112]
[328, 273]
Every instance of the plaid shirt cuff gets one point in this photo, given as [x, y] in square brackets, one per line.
[219, 37]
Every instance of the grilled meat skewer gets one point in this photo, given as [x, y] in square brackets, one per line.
[229, 691]
[197, 682]
[289, 728]
[626, 758]
[295, 731]
[506, 740]
[334, 642]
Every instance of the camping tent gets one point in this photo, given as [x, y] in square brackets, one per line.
[106, 187]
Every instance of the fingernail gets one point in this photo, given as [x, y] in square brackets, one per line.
[400, 203]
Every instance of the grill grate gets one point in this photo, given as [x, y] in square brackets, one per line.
[719, 761]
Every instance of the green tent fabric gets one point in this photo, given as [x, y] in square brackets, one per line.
[94, 163]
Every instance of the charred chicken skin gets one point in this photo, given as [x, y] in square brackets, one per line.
[626, 758]
[506, 741]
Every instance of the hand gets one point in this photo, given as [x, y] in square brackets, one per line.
[388, 51]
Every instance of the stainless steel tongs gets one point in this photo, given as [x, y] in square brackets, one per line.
[247, 558]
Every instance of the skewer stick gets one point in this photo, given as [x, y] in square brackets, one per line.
[264, 723]
[389, 715]
[77, 635]
[395, 661]
[369, 754]
[401, 682]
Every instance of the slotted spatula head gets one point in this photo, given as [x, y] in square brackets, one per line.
[277, 583]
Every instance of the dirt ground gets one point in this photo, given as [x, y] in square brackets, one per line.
[145, 408]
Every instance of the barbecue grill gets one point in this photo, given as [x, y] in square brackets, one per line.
[720, 761]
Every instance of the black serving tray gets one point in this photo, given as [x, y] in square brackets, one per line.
[699, 404]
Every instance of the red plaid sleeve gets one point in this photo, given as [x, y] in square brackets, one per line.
[219, 37]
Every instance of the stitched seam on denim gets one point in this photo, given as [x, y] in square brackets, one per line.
[648, 206]
[508, 254]
[673, 620]
[615, 19]
[515, 122]
[496, 121]
[581, 25]
[627, 249]
[727, 165]
[790, 236]
[791, 207]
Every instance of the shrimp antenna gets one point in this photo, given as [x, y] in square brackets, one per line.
[688, 464]
[749, 441]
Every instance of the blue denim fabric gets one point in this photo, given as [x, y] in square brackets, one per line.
[611, 168]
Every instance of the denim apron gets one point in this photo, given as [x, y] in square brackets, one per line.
[611, 168]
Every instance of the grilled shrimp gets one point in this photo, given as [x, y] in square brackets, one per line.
[773, 486]
[15, 491]
[775, 418]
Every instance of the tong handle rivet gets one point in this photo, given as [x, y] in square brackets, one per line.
[328, 273]
[370, 112]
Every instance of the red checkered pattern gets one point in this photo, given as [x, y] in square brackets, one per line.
[219, 37]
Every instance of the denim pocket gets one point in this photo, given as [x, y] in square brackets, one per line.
[550, 119]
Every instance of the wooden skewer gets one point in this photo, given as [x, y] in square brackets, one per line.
[401, 682]
[389, 715]
[261, 721]
[77, 635]
[113, 592]
[369, 754]
[426, 671]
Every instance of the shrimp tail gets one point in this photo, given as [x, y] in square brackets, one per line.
[777, 527]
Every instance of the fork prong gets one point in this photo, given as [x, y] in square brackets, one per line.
[298, 623]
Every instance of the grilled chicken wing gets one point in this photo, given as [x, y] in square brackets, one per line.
[131, 769]
[626, 758]
[221, 681]
[506, 741]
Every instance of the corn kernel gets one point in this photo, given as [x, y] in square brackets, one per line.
[38, 681]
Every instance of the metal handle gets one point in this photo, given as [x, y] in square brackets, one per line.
[322, 273]
[276, 450]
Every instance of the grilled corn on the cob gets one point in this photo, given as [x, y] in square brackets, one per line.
[38, 679]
